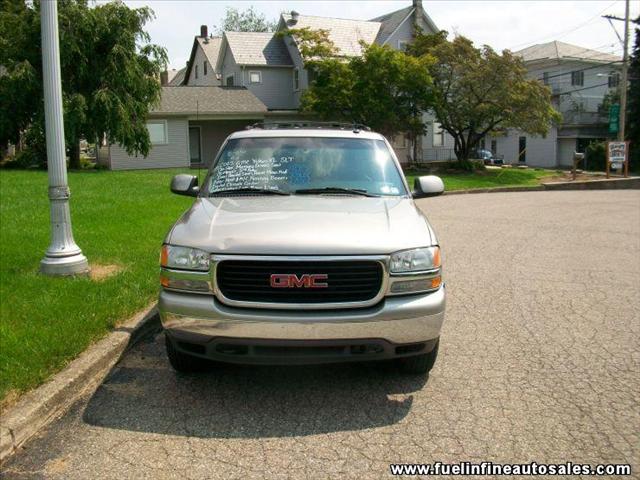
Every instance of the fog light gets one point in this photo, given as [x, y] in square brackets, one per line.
[421, 285]
[189, 285]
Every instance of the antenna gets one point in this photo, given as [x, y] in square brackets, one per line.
[200, 140]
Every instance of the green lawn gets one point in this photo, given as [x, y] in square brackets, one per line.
[118, 218]
[504, 177]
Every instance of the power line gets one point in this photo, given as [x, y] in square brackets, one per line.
[581, 89]
[566, 32]
[548, 77]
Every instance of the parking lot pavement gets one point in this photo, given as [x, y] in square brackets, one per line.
[539, 361]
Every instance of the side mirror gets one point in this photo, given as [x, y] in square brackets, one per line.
[185, 185]
[427, 186]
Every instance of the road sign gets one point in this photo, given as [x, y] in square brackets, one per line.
[617, 156]
[614, 118]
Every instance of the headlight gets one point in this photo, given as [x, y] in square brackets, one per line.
[416, 260]
[184, 258]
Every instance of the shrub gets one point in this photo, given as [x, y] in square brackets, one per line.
[596, 156]
[24, 159]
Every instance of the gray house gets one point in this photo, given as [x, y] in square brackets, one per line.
[243, 77]
[579, 79]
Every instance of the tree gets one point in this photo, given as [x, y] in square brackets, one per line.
[246, 21]
[384, 89]
[109, 74]
[633, 102]
[477, 91]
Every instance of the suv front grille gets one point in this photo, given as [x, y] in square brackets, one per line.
[347, 281]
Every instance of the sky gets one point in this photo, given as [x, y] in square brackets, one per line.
[500, 24]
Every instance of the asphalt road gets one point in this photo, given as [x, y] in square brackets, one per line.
[539, 361]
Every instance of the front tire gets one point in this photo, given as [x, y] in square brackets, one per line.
[182, 362]
[420, 364]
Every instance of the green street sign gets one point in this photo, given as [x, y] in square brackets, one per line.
[614, 118]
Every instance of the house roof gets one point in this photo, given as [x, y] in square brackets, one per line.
[176, 77]
[563, 51]
[191, 100]
[390, 22]
[257, 48]
[345, 34]
[211, 48]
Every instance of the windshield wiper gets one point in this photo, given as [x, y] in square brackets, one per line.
[261, 191]
[352, 191]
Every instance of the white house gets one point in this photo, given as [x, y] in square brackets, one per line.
[579, 79]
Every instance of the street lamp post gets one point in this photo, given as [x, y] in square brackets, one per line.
[63, 257]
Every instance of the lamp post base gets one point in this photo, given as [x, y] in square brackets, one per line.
[65, 266]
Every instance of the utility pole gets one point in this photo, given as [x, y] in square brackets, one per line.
[63, 257]
[625, 66]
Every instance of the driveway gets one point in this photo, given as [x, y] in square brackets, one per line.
[539, 361]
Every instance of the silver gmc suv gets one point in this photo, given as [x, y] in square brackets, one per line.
[303, 245]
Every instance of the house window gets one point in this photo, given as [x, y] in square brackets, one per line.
[494, 147]
[229, 81]
[545, 78]
[577, 78]
[614, 80]
[157, 132]
[438, 135]
[400, 141]
[522, 149]
[204, 67]
[402, 45]
[196, 71]
[483, 144]
[255, 77]
[296, 79]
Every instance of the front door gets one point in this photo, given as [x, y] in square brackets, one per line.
[194, 145]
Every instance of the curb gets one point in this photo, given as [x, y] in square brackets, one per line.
[602, 184]
[51, 400]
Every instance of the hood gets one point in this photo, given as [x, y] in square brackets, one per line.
[302, 225]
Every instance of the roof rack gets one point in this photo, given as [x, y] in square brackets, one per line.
[355, 127]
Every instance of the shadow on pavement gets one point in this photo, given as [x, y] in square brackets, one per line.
[144, 394]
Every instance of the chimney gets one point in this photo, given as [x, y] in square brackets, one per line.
[294, 17]
[417, 3]
[164, 78]
[204, 31]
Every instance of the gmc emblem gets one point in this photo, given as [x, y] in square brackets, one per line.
[291, 280]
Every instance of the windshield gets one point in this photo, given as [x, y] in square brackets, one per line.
[296, 164]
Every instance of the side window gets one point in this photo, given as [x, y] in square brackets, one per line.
[157, 132]
[545, 78]
[296, 79]
[204, 67]
[229, 81]
[255, 77]
[577, 78]
[196, 71]
[438, 135]
[494, 147]
[614, 79]
[402, 45]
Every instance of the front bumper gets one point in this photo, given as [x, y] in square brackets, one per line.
[201, 325]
